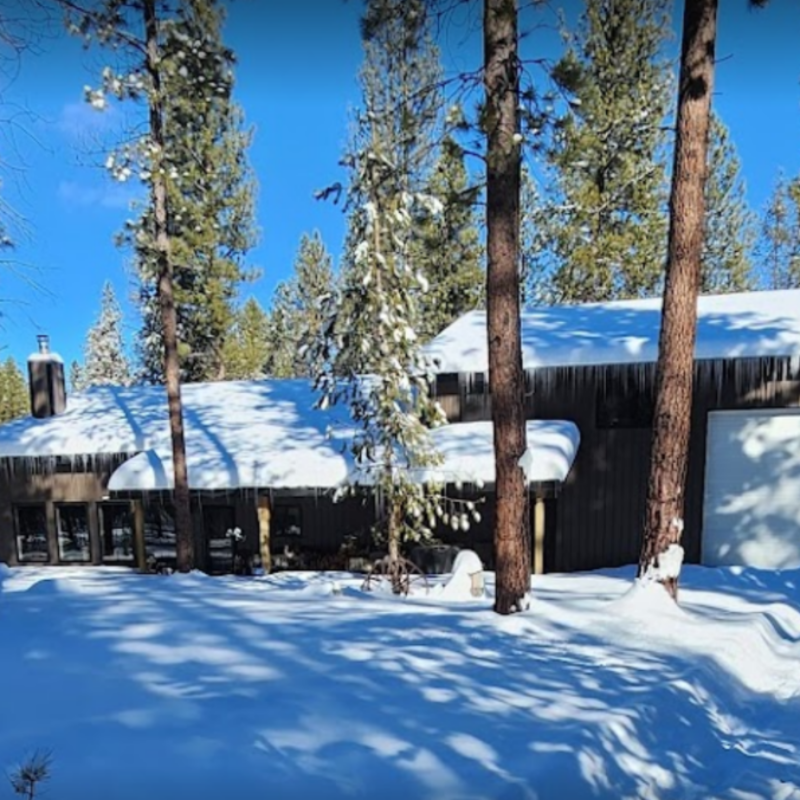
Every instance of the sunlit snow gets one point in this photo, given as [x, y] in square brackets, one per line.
[301, 685]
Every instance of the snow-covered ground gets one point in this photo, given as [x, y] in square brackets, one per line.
[301, 686]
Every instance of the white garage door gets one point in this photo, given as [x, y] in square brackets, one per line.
[751, 512]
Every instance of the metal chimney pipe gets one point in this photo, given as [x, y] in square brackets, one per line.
[44, 343]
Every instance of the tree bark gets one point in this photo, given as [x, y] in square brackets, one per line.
[506, 382]
[663, 523]
[166, 298]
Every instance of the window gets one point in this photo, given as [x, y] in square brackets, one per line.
[116, 532]
[287, 521]
[159, 532]
[447, 383]
[32, 533]
[617, 408]
[72, 523]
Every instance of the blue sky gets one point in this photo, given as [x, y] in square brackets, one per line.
[296, 79]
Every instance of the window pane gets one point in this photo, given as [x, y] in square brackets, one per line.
[288, 521]
[32, 533]
[73, 533]
[159, 532]
[116, 532]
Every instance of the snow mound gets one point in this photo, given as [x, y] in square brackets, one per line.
[466, 582]
[646, 599]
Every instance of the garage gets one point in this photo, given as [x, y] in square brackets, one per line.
[751, 506]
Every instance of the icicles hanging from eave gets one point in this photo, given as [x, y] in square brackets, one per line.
[102, 464]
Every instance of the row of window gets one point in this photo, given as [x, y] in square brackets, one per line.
[115, 523]
[72, 528]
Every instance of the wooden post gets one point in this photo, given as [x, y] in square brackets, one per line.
[538, 536]
[264, 516]
[138, 534]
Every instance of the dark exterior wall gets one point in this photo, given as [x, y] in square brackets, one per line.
[326, 524]
[600, 508]
[20, 485]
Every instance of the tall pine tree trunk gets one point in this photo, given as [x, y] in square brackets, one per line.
[506, 383]
[661, 554]
[183, 521]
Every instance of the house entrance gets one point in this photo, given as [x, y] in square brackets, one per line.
[219, 526]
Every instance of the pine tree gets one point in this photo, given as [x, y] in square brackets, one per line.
[536, 288]
[373, 319]
[729, 224]
[662, 555]
[296, 315]
[501, 77]
[779, 245]
[400, 87]
[105, 362]
[14, 401]
[376, 312]
[138, 32]
[607, 221]
[210, 189]
[76, 379]
[247, 346]
[448, 248]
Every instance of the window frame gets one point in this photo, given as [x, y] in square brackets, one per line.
[101, 529]
[284, 509]
[85, 506]
[17, 535]
[636, 409]
[158, 508]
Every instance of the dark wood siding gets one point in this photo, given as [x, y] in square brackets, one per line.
[600, 508]
[46, 483]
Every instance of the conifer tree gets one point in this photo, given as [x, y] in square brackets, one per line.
[296, 315]
[448, 248]
[501, 118]
[105, 362]
[212, 196]
[779, 245]
[76, 382]
[149, 49]
[536, 288]
[247, 346]
[14, 401]
[607, 220]
[372, 322]
[376, 312]
[729, 224]
[661, 557]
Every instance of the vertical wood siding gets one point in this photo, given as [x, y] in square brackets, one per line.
[599, 512]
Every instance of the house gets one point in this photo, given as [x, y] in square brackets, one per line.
[594, 365]
[88, 479]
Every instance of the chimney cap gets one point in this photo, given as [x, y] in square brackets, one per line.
[43, 352]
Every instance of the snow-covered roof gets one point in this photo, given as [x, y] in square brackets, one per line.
[246, 435]
[729, 326]
[238, 433]
[243, 434]
[467, 449]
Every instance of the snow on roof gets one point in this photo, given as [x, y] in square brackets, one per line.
[242, 434]
[238, 433]
[729, 326]
[54, 358]
[247, 435]
[103, 420]
[467, 450]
